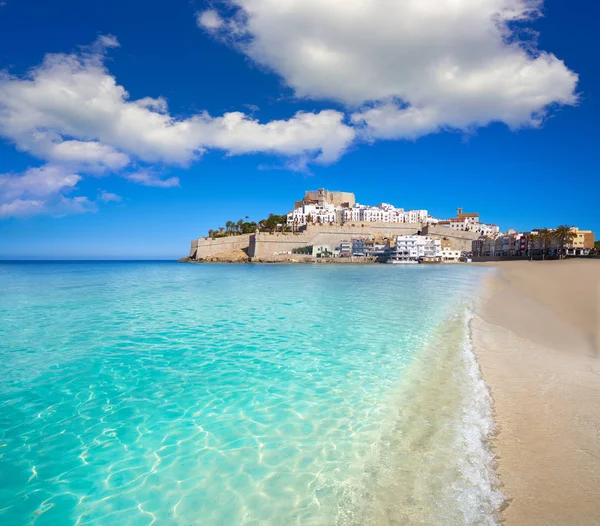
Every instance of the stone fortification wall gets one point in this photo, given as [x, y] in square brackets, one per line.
[266, 244]
[459, 240]
[205, 247]
[263, 244]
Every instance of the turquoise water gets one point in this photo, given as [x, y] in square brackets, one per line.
[140, 393]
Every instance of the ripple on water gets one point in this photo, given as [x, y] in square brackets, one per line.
[156, 393]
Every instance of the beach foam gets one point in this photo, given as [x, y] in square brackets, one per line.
[433, 465]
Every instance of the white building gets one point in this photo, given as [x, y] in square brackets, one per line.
[468, 224]
[385, 213]
[318, 214]
[325, 213]
[412, 249]
[451, 255]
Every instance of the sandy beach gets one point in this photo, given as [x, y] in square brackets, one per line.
[536, 337]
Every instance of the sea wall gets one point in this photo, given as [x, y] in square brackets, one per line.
[205, 247]
[266, 244]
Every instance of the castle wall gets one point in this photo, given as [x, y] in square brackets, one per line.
[459, 240]
[264, 244]
[205, 247]
[325, 235]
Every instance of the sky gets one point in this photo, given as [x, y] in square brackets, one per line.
[128, 129]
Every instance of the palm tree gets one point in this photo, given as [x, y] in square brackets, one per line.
[564, 235]
[545, 237]
[531, 239]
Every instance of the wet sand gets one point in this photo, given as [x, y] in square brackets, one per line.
[537, 340]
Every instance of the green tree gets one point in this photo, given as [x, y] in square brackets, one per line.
[545, 237]
[531, 239]
[563, 234]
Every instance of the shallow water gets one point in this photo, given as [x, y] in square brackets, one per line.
[241, 394]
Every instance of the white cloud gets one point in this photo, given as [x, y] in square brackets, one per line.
[37, 182]
[73, 99]
[108, 197]
[147, 178]
[62, 206]
[41, 190]
[402, 68]
[21, 207]
[406, 67]
[71, 112]
[91, 155]
[209, 19]
[105, 42]
[323, 132]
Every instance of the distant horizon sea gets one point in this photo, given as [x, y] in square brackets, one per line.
[150, 392]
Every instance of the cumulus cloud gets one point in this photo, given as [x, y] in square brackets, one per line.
[148, 178]
[71, 112]
[108, 197]
[41, 190]
[209, 19]
[73, 96]
[405, 68]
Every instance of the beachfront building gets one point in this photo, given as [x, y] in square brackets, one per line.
[582, 244]
[412, 249]
[376, 249]
[487, 245]
[358, 247]
[514, 243]
[510, 244]
[345, 249]
[324, 251]
[450, 255]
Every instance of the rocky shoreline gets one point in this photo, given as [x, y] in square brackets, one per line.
[239, 256]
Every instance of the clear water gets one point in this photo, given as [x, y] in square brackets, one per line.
[140, 393]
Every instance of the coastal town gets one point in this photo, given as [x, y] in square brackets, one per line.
[330, 226]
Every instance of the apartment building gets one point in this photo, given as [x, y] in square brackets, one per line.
[450, 255]
[518, 244]
[582, 244]
[412, 249]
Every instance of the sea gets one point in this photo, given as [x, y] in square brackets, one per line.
[139, 393]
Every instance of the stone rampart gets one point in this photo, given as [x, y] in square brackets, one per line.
[459, 239]
[205, 247]
[266, 244]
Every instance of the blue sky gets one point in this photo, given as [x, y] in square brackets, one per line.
[421, 108]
